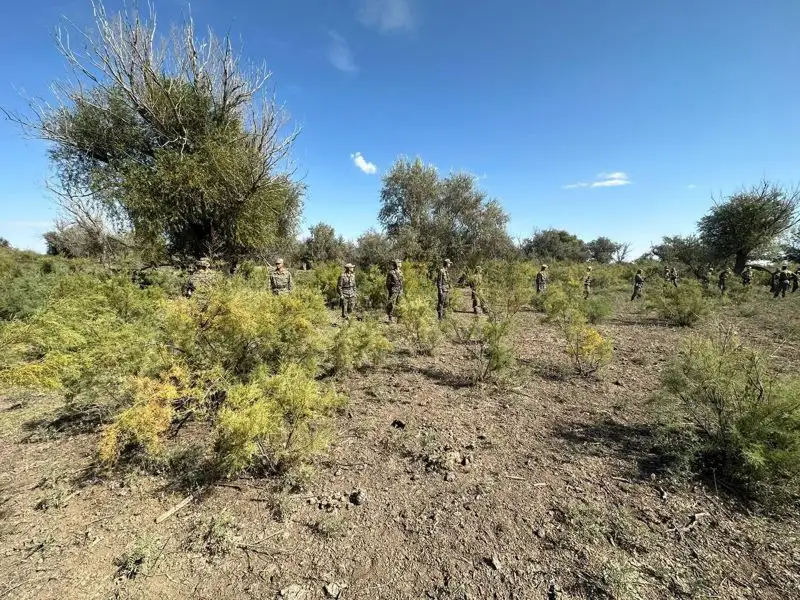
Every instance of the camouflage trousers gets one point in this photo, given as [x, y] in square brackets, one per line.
[783, 287]
[477, 300]
[391, 304]
[442, 303]
[637, 292]
[348, 306]
[587, 289]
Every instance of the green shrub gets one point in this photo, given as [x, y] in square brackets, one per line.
[274, 422]
[416, 315]
[371, 285]
[324, 277]
[684, 305]
[597, 308]
[744, 420]
[587, 348]
[487, 342]
[358, 344]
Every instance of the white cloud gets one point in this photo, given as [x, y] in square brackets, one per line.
[386, 15]
[615, 179]
[691, 186]
[340, 55]
[367, 167]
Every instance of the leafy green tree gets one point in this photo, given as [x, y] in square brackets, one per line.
[429, 218]
[602, 250]
[322, 244]
[169, 139]
[374, 248]
[4, 243]
[747, 223]
[687, 250]
[555, 244]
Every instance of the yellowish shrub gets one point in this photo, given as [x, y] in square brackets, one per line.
[588, 349]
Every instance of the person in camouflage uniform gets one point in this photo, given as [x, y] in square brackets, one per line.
[747, 276]
[280, 280]
[394, 287]
[587, 283]
[673, 276]
[443, 288]
[638, 284]
[784, 281]
[796, 280]
[666, 272]
[723, 280]
[476, 286]
[346, 287]
[201, 278]
[541, 280]
[705, 280]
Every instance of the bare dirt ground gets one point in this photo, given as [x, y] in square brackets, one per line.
[546, 486]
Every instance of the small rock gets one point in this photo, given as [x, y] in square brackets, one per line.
[337, 473]
[294, 592]
[358, 497]
[449, 476]
[334, 590]
[398, 424]
[494, 562]
[540, 533]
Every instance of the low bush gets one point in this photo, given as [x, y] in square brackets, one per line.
[274, 422]
[371, 284]
[358, 344]
[744, 420]
[684, 305]
[597, 308]
[587, 348]
[416, 316]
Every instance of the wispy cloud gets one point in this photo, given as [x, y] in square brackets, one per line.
[340, 55]
[366, 166]
[614, 179]
[691, 186]
[386, 15]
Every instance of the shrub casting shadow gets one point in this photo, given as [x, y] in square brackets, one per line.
[623, 442]
[443, 377]
[66, 421]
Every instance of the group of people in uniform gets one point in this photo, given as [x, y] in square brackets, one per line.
[281, 282]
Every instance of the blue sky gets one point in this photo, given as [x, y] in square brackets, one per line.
[615, 117]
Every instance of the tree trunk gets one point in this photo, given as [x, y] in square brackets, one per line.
[741, 262]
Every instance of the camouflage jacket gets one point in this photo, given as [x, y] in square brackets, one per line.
[200, 281]
[394, 280]
[638, 281]
[784, 276]
[541, 278]
[347, 285]
[443, 280]
[280, 282]
[587, 281]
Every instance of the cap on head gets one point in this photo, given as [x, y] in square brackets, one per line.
[448, 262]
[397, 262]
[279, 261]
[349, 266]
[639, 271]
[544, 267]
[589, 268]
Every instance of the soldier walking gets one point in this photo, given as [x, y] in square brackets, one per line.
[638, 284]
[747, 276]
[784, 279]
[541, 280]
[280, 280]
[443, 288]
[723, 280]
[476, 285]
[346, 287]
[394, 287]
[673, 276]
[796, 280]
[587, 283]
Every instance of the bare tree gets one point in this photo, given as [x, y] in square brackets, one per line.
[622, 252]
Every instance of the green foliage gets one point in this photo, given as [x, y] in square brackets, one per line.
[213, 536]
[602, 250]
[749, 221]
[322, 245]
[690, 250]
[358, 344]
[371, 284]
[555, 245]
[684, 305]
[745, 421]
[324, 277]
[138, 559]
[416, 315]
[430, 218]
[587, 348]
[374, 249]
[274, 422]
[487, 342]
[597, 308]
[187, 156]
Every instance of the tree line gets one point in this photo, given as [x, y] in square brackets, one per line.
[175, 149]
